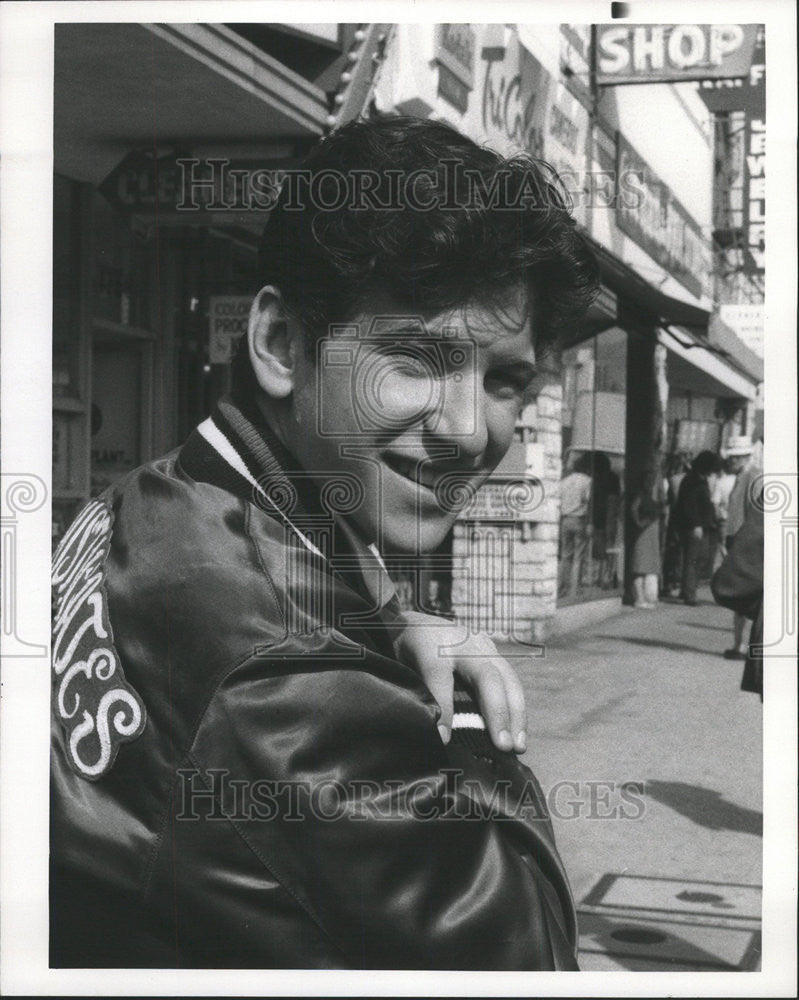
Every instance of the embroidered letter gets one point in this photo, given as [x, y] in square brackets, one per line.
[97, 708]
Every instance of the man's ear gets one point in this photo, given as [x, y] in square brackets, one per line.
[271, 341]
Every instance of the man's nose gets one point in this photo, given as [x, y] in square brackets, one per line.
[460, 417]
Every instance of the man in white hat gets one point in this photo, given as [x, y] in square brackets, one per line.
[739, 454]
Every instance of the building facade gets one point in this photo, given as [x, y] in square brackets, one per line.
[155, 258]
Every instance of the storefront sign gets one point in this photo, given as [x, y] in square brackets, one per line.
[754, 214]
[667, 53]
[524, 107]
[227, 315]
[693, 436]
[189, 186]
[744, 93]
[747, 250]
[755, 196]
[746, 321]
[518, 499]
[455, 48]
[658, 223]
[575, 60]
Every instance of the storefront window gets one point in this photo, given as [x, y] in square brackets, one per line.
[591, 548]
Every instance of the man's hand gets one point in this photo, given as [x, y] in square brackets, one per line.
[698, 533]
[437, 648]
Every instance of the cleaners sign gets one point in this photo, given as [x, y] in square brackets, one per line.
[228, 315]
[667, 53]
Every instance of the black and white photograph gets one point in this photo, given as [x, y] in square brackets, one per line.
[399, 499]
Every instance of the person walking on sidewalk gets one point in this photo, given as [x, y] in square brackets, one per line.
[645, 513]
[672, 562]
[575, 526]
[695, 519]
[738, 584]
[746, 465]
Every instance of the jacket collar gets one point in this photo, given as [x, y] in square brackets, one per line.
[236, 450]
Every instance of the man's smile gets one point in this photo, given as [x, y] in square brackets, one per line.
[429, 479]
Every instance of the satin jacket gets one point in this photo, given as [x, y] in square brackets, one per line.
[243, 773]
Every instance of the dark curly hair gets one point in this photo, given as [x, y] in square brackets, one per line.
[706, 463]
[439, 223]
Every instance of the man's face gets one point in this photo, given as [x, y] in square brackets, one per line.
[418, 414]
[736, 463]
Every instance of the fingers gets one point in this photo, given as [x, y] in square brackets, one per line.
[439, 679]
[517, 707]
[492, 699]
[500, 698]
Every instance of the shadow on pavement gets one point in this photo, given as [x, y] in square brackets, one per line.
[706, 807]
[676, 647]
[712, 628]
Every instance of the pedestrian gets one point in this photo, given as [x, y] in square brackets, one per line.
[721, 498]
[605, 499]
[575, 524]
[738, 585]
[645, 514]
[745, 467]
[695, 519]
[672, 550]
[250, 768]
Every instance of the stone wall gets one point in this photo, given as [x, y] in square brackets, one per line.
[505, 575]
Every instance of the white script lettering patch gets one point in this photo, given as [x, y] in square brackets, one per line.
[97, 708]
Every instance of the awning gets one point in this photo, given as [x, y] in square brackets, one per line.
[123, 86]
[693, 368]
[703, 357]
[663, 308]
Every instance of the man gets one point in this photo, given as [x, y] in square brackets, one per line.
[575, 501]
[745, 468]
[738, 584]
[695, 519]
[248, 768]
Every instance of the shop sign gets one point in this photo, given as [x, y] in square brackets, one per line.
[668, 53]
[228, 316]
[658, 223]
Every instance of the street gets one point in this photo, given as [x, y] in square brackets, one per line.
[651, 759]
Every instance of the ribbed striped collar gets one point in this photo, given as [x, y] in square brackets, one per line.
[236, 450]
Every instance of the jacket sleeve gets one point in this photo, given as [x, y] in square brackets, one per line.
[738, 582]
[378, 831]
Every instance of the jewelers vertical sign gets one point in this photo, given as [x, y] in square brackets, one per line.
[754, 215]
[227, 316]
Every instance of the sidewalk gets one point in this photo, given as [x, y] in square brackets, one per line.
[651, 759]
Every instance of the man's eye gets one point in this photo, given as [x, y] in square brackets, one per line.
[509, 384]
